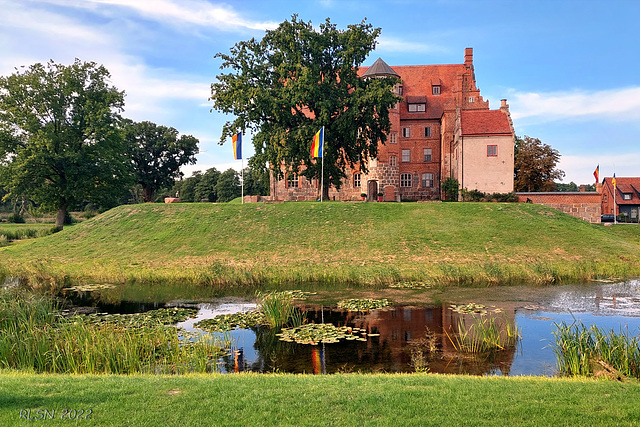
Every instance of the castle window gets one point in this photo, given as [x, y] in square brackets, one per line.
[292, 181]
[417, 108]
[427, 180]
[435, 90]
[427, 154]
[398, 90]
[406, 155]
[492, 150]
[405, 179]
[393, 161]
[471, 99]
[406, 132]
[393, 138]
[427, 132]
[357, 180]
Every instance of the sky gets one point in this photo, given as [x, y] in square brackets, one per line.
[570, 70]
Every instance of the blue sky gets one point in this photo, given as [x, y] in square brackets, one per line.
[570, 70]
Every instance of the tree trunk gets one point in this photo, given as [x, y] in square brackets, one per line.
[147, 194]
[60, 217]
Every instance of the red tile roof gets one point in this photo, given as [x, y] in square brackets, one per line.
[484, 122]
[417, 81]
[626, 185]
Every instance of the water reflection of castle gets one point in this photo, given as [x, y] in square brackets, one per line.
[400, 327]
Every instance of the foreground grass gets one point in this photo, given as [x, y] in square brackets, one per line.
[352, 399]
[253, 245]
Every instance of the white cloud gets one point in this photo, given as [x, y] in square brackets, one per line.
[579, 168]
[174, 12]
[615, 104]
[394, 45]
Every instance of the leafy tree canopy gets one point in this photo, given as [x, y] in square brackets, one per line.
[157, 154]
[59, 141]
[295, 80]
[535, 165]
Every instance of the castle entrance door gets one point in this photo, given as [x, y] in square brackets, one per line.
[372, 191]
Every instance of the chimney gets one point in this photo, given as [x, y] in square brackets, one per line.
[504, 105]
[468, 57]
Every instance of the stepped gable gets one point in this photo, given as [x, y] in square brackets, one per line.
[484, 122]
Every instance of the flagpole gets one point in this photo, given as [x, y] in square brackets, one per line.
[242, 178]
[615, 207]
[322, 169]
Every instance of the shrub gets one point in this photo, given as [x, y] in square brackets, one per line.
[16, 218]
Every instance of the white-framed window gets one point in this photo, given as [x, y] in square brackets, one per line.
[393, 138]
[405, 179]
[427, 131]
[406, 132]
[435, 90]
[398, 90]
[427, 154]
[417, 108]
[357, 180]
[492, 150]
[427, 180]
[406, 155]
[471, 99]
[393, 161]
[626, 196]
[292, 180]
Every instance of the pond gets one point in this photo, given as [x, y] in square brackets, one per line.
[392, 337]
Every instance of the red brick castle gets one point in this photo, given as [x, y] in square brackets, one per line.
[442, 129]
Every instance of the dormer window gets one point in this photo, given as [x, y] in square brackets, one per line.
[416, 104]
[435, 90]
[626, 196]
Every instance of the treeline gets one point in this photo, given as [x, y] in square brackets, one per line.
[65, 146]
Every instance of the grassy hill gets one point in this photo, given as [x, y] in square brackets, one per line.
[251, 245]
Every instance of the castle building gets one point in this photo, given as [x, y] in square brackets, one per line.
[443, 128]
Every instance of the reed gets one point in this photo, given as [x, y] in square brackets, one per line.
[34, 337]
[591, 351]
[279, 310]
[484, 334]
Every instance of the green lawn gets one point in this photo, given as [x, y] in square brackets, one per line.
[12, 231]
[230, 245]
[301, 400]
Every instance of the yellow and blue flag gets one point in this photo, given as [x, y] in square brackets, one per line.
[237, 145]
[316, 145]
[613, 181]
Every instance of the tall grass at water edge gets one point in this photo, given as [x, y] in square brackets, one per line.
[484, 334]
[280, 310]
[591, 351]
[35, 337]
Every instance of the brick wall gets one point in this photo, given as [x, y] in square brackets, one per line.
[583, 205]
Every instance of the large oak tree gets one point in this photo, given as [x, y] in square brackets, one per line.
[535, 165]
[59, 139]
[157, 154]
[295, 80]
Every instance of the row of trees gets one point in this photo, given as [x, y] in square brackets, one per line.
[63, 141]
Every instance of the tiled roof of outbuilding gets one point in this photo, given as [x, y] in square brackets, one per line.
[626, 185]
[484, 122]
